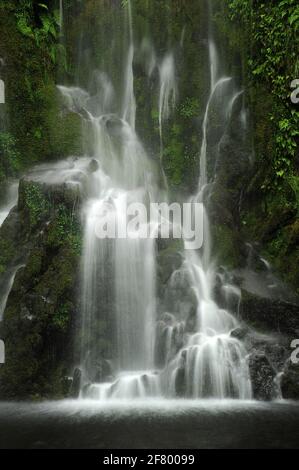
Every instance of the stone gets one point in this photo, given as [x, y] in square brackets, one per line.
[76, 383]
[239, 333]
[290, 381]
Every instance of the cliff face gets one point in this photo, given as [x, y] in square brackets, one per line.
[41, 239]
[41, 242]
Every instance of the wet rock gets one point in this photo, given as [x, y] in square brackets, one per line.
[290, 381]
[102, 371]
[277, 353]
[93, 166]
[85, 390]
[44, 235]
[169, 259]
[270, 315]
[180, 378]
[76, 383]
[262, 376]
[240, 333]
[114, 126]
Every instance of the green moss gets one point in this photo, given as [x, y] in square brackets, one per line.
[10, 157]
[268, 29]
[190, 108]
[7, 252]
[35, 204]
[65, 230]
[38, 129]
[62, 317]
[33, 266]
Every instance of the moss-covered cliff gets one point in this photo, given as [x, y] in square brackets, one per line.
[267, 36]
[33, 128]
[41, 240]
[254, 198]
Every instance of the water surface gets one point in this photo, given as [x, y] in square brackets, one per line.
[149, 425]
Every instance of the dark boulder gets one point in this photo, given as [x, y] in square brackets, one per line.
[290, 381]
[76, 383]
[180, 377]
[270, 315]
[240, 333]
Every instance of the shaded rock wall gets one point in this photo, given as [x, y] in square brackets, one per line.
[42, 310]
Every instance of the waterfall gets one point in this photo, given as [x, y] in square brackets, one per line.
[11, 200]
[129, 106]
[168, 89]
[118, 275]
[6, 286]
[167, 99]
[8, 279]
[121, 329]
[211, 363]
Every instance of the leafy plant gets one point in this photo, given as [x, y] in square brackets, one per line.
[10, 158]
[45, 32]
[271, 29]
[190, 108]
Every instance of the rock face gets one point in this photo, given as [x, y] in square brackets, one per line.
[270, 315]
[290, 381]
[272, 325]
[76, 383]
[40, 317]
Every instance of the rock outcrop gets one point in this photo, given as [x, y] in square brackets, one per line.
[43, 234]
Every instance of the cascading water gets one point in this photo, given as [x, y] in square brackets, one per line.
[119, 274]
[8, 278]
[168, 90]
[167, 97]
[6, 286]
[11, 200]
[211, 362]
[120, 271]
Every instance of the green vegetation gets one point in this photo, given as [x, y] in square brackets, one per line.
[36, 21]
[62, 317]
[10, 158]
[34, 58]
[65, 230]
[36, 204]
[41, 308]
[271, 49]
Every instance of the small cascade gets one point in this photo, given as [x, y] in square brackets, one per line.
[129, 105]
[148, 51]
[8, 278]
[6, 286]
[167, 98]
[128, 385]
[168, 90]
[210, 362]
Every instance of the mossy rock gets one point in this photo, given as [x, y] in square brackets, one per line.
[41, 312]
